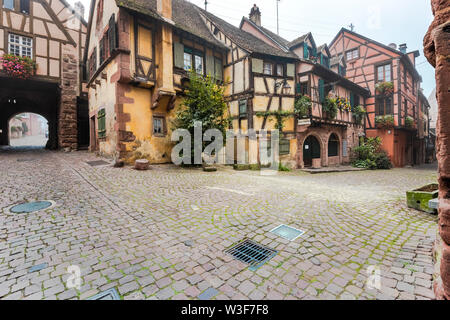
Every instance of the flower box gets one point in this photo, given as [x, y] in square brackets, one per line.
[16, 66]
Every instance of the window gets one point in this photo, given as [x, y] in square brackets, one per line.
[342, 70]
[284, 147]
[101, 119]
[353, 54]
[384, 73]
[384, 106]
[333, 146]
[302, 88]
[218, 69]
[20, 45]
[187, 61]
[158, 125]
[324, 60]
[193, 61]
[99, 11]
[268, 68]
[280, 70]
[25, 6]
[92, 63]
[242, 108]
[198, 64]
[8, 4]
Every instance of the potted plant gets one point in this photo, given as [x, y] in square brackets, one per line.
[359, 113]
[343, 104]
[386, 121]
[329, 106]
[302, 106]
[20, 67]
[409, 122]
[384, 88]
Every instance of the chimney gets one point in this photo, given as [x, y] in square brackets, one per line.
[403, 47]
[79, 8]
[255, 15]
[164, 8]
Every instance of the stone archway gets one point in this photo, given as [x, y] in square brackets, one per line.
[301, 148]
[27, 96]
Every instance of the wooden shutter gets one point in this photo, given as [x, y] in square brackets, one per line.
[321, 90]
[178, 55]
[290, 70]
[209, 65]
[102, 50]
[101, 119]
[299, 88]
[305, 50]
[112, 34]
[285, 147]
[352, 100]
[257, 65]
[218, 69]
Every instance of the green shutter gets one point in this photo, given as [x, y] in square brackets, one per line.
[210, 66]
[305, 50]
[299, 88]
[101, 119]
[314, 51]
[321, 90]
[352, 100]
[178, 49]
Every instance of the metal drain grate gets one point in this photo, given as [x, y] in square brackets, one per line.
[97, 163]
[31, 207]
[251, 253]
[110, 294]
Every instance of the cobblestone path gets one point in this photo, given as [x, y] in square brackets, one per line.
[161, 234]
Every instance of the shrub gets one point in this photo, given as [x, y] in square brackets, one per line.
[369, 155]
[359, 112]
[382, 160]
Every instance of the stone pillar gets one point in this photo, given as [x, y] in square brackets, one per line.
[437, 51]
[67, 116]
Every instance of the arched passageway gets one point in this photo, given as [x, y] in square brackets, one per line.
[28, 130]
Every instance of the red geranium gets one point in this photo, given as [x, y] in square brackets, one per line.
[20, 67]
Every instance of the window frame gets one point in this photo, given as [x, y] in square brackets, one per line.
[193, 54]
[277, 69]
[267, 63]
[20, 45]
[384, 100]
[352, 51]
[377, 67]
[21, 5]
[162, 119]
[336, 144]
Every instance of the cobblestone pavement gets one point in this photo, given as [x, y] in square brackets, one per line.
[161, 234]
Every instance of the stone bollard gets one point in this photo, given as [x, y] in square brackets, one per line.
[141, 164]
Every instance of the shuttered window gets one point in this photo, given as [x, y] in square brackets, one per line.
[285, 147]
[101, 119]
[112, 34]
[305, 50]
[321, 91]
[218, 66]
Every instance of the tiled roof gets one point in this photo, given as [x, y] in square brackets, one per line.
[299, 40]
[187, 17]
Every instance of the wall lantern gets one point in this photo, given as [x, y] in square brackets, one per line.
[286, 88]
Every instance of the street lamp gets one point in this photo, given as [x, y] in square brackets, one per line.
[286, 88]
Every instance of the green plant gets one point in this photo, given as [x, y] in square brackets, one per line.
[359, 112]
[386, 88]
[330, 107]
[13, 129]
[279, 115]
[370, 156]
[283, 168]
[204, 102]
[343, 104]
[386, 121]
[16, 66]
[409, 122]
[302, 106]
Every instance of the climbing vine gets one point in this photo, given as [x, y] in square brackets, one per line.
[279, 115]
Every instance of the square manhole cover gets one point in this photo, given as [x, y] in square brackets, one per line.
[287, 232]
[97, 163]
[251, 253]
[110, 294]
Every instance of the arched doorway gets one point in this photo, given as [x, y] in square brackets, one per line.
[28, 130]
[311, 150]
[333, 145]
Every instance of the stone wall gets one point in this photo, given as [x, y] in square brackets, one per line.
[437, 51]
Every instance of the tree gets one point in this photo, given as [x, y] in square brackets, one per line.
[204, 102]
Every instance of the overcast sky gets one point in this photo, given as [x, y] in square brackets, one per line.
[386, 21]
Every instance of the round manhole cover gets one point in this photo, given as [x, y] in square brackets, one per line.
[31, 207]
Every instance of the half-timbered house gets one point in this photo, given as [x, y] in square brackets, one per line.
[389, 73]
[321, 140]
[52, 34]
[136, 80]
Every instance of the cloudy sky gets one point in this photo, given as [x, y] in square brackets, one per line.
[387, 21]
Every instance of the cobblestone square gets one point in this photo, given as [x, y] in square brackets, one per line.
[161, 233]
